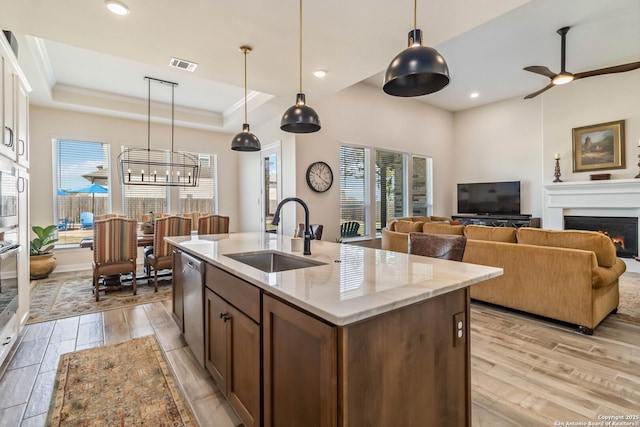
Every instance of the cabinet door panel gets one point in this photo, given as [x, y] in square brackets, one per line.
[243, 380]
[216, 338]
[22, 124]
[300, 368]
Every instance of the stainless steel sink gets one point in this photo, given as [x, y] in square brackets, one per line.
[273, 261]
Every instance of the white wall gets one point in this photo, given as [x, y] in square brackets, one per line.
[47, 124]
[501, 142]
[587, 102]
[366, 116]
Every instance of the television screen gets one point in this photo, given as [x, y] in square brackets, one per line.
[491, 198]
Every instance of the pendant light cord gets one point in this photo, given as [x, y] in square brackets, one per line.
[149, 115]
[300, 46]
[173, 90]
[415, 14]
[245, 84]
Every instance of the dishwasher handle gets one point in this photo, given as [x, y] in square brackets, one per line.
[191, 262]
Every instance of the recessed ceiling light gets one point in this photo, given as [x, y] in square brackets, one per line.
[320, 73]
[117, 7]
[474, 95]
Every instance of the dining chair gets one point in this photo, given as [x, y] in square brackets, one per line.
[195, 216]
[115, 250]
[161, 258]
[316, 231]
[107, 216]
[213, 224]
[443, 246]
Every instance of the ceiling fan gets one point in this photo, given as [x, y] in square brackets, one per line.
[565, 77]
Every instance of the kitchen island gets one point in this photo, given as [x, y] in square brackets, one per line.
[361, 337]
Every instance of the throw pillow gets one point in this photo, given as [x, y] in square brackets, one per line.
[492, 234]
[408, 226]
[600, 244]
[442, 228]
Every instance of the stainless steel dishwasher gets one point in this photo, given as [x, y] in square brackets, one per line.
[192, 272]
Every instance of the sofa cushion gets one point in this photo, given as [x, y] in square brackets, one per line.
[600, 244]
[442, 228]
[492, 234]
[407, 226]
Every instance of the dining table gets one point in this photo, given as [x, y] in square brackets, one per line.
[143, 240]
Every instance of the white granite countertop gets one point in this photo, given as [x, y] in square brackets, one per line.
[355, 282]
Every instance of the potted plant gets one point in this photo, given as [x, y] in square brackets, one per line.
[42, 261]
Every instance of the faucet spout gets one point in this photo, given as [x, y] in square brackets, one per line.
[307, 230]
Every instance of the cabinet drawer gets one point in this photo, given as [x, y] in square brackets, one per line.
[244, 296]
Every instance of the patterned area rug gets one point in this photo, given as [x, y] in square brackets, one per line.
[629, 306]
[122, 384]
[71, 294]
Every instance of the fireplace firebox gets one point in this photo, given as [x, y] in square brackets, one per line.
[622, 230]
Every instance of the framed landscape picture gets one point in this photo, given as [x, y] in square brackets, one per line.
[598, 147]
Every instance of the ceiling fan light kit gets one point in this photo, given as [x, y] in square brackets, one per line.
[564, 77]
[417, 70]
[144, 166]
[300, 118]
[245, 140]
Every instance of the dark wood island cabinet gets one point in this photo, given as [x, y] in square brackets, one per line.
[296, 349]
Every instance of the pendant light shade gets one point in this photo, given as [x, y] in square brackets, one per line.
[300, 118]
[417, 70]
[245, 140]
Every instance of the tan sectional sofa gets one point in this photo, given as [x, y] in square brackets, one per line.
[567, 275]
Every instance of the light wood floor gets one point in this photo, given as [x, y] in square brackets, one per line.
[525, 371]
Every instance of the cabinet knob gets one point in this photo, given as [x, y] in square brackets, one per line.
[225, 316]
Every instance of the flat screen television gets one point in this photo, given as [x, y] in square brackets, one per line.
[489, 198]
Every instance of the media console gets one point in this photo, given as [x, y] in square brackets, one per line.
[515, 221]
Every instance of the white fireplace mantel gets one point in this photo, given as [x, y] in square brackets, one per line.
[619, 197]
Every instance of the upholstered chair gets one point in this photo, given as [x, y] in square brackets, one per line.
[161, 258]
[316, 231]
[443, 246]
[213, 224]
[195, 216]
[115, 250]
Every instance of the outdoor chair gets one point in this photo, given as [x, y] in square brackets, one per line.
[316, 231]
[349, 229]
[213, 224]
[115, 250]
[86, 220]
[443, 246]
[161, 258]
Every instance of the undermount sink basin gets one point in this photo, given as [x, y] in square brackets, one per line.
[273, 261]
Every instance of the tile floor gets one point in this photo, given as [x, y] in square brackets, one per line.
[25, 389]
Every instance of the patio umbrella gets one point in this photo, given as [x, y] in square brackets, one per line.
[62, 193]
[92, 189]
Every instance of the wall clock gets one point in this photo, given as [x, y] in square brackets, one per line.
[319, 177]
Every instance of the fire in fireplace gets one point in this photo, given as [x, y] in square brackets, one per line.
[623, 231]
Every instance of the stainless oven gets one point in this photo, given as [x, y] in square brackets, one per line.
[8, 194]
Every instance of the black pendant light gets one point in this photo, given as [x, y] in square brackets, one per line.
[245, 140]
[300, 118]
[417, 70]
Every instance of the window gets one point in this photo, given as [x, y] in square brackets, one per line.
[354, 186]
[203, 197]
[402, 183]
[422, 197]
[82, 187]
[391, 190]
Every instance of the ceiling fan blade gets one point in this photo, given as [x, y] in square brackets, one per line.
[534, 94]
[539, 69]
[609, 70]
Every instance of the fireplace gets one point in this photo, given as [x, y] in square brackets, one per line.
[622, 230]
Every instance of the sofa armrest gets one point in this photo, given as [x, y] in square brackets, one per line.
[395, 241]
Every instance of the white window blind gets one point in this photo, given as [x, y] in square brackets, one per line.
[82, 185]
[353, 186]
[203, 197]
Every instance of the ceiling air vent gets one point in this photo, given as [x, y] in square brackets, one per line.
[182, 64]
